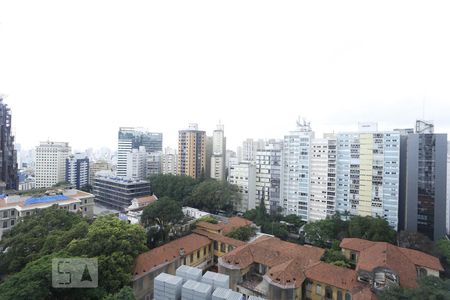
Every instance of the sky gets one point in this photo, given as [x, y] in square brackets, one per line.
[76, 71]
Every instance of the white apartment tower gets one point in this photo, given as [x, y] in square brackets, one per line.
[169, 161]
[249, 148]
[218, 154]
[244, 176]
[295, 170]
[368, 174]
[51, 163]
[322, 190]
[136, 166]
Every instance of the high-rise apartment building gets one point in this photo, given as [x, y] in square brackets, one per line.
[368, 173]
[96, 166]
[248, 150]
[295, 170]
[192, 152]
[424, 174]
[169, 161]
[218, 154]
[130, 138]
[244, 176]
[51, 163]
[322, 192]
[137, 163]
[154, 163]
[268, 175]
[77, 170]
[8, 155]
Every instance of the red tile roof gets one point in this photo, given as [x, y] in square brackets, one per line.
[168, 253]
[286, 261]
[339, 277]
[401, 260]
[210, 226]
[233, 223]
[219, 237]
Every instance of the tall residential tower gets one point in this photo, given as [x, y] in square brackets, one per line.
[192, 152]
[8, 155]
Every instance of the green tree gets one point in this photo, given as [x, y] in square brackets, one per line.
[208, 218]
[336, 257]
[162, 214]
[214, 195]
[429, 287]
[442, 248]
[126, 293]
[373, 229]
[415, 240]
[179, 188]
[116, 244]
[46, 231]
[250, 215]
[242, 233]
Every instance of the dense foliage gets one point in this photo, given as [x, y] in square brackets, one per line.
[208, 195]
[429, 287]
[322, 233]
[270, 224]
[159, 219]
[244, 233]
[28, 268]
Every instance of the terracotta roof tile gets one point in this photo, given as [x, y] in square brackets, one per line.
[146, 199]
[168, 252]
[286, 261]
[219, 237]
[356, 244]
[401, 260]
[235, 222]
[210, 226]
[339, 277]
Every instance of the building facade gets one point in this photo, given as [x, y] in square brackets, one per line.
[424, 194]
[192, 152]
[169, 161]
[13, 208]
[8, 155]
[117, 192]
[51, 163]
[96, 166]
[132, 138]
[268, 175]
[136, 163]
[368, 174]
[322, 196]
[295, 171]
[154, 163]
[244, 176]
[77, 170]
[218, 154]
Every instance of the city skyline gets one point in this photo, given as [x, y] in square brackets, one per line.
[255, 68]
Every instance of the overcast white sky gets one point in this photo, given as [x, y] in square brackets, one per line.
[77, 70]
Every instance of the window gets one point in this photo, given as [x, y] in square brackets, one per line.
[339, 295]
[5, 214]
[204, 251]
[421, 272]
[328, 293]
[13, 212]
[12, 222]
[318, 289]
[216, 247]
[5, 224]
[308, 285]
[192, 257]
[348, 296]
[198, 254]
[222, 247]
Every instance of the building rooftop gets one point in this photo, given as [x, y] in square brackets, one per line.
[339, 277]
[24, 202]
[286, 261]
[167, 253]
[401, 260]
